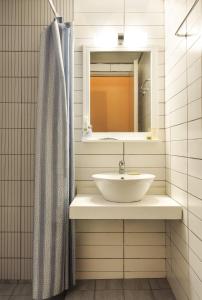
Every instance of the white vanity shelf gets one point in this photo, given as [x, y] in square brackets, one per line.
[94, 206]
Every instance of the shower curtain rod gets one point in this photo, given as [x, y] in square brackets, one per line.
[57, 15]
[54, 9]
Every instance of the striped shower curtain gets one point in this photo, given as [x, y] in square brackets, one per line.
[53, 249]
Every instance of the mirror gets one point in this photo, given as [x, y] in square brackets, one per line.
[119, 92]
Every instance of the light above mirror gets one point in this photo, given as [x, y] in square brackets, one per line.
[119, 93]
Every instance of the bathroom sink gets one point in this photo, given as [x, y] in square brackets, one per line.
[123, 187]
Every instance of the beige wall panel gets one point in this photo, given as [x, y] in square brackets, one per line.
[137, 265]
[144, 239]
[95, 239]
[144, 251]
[99, 226]
[99, 252]
[100, 265]
[99, 275]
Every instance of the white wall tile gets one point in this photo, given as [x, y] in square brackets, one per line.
[99, 226]
[179, 164]
[99, 252]
[184, 117]
[179, 132]
[179, 148]
[103, 239]
[195, 225]
[144, 274]
[145, 148]
[194, 90]
[179, 195]
[145, 6]
[144, 252]
[194, 71]
[99, 275]
[195, 244]
[91, 161]
[145, 19]
[195, 167]
[179, 179]
[195, 205]
[98, 18]
[145, 161]
[194, 110]
[176, 87]
[144, 265]
[178, 116]
[195, 129]
[194, 148]
[97, 6]
[194, 186]
[99, 265]
[95, 148]
[144, 226]
[157, 239]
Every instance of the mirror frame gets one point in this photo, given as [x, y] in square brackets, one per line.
[87, 135]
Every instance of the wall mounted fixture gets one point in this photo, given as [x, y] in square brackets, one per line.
[143, 87]
[121, 35]
[177, 33]
[120, 38]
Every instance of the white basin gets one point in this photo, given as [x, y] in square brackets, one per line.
[123, 187]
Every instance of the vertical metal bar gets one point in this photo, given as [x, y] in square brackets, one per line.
[53, 8]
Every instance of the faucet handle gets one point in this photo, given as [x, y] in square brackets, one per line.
[121, 163]
[121, 166]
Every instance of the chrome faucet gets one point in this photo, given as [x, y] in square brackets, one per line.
[121, 167]
[122, 162]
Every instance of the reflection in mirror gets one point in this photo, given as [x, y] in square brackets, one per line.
[120, 91]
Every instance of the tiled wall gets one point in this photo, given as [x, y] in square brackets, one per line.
[111, 249]
[21, 22]
[184, 148]
[120, 249]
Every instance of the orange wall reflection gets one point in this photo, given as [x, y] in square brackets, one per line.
[112, 103]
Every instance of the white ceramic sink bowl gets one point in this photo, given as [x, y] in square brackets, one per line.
[123, 187]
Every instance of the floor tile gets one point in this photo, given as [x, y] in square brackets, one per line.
[80, 295]
[112, 289]
[159, 283]
[109, 284]
[20, 297]
[163, 294]
[109, 295]
[138, 295]
[23, 289]
[6, 289]
[59, 297]
[84, 285]
[136, 284]
[8, 281]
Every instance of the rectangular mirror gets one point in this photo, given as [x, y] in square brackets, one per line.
[119, 93]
